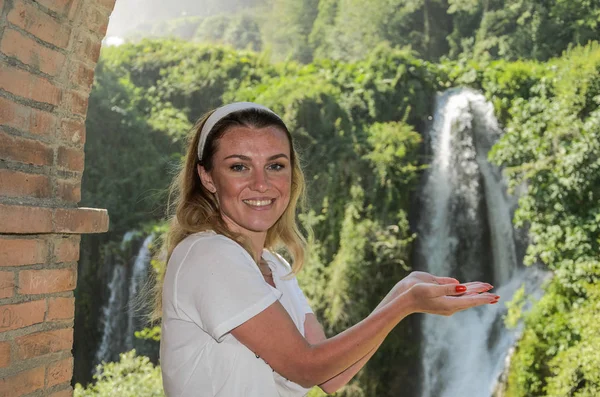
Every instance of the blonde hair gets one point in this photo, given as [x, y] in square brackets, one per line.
[191, 208]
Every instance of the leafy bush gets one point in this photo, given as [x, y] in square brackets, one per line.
[551, 150]
[132, 376]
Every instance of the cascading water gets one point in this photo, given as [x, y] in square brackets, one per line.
[110, 313]
[138, 276]
[119, 317]
[466, 231]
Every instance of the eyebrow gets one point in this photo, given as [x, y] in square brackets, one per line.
[246, 158]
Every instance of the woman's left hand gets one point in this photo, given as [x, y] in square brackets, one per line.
[417, 277]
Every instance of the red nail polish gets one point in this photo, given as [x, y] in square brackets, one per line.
[460, 288]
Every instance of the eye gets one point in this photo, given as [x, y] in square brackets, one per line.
[276, 167]
[237, 167]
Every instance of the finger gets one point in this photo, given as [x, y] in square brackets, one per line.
[446, 280]
[477, 287]
[478, 283]
[477, 299]
[452, 289]
[425, 277]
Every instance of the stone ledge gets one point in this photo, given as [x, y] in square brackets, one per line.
[19, 219]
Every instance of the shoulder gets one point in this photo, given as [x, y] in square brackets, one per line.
[206, 247]
[283, 267]
[208, 242]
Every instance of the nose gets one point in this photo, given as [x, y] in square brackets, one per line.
[260, 181]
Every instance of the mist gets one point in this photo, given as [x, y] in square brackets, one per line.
[131, 15]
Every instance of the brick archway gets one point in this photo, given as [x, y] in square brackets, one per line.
[48, 52]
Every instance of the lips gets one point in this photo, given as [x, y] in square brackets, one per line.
[259, 202]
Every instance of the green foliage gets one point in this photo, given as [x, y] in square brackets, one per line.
[287, 26]
[355, 124]
[212, 29]
[126, 159]
[316, 392]
[347, 30]
[152, 333]
[555, 356]
[515, 308]
[575, 370]
[132, 376]
[390, 143]
[375, 257]
[551, 151]
[241, 31]
[350, 121]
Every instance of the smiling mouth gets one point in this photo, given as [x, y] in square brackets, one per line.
[259, 203]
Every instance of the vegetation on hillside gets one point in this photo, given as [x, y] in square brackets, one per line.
[305, 30]
[357, 99]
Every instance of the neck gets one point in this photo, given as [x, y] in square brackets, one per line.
[256, 239]
[257, 243]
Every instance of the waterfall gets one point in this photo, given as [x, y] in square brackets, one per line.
[119, 320]
[110, 314]
[466, 231]
[138, 276]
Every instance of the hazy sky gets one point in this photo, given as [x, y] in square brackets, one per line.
[128, 14]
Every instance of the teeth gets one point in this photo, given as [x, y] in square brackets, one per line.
[258, 203]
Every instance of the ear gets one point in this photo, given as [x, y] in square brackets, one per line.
[206, 179]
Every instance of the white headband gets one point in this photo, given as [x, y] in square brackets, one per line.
[221, 112]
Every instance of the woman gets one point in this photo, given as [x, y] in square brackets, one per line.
[234, 321]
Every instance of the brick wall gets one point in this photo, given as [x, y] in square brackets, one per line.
[48, 52]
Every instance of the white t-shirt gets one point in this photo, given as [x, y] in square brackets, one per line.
[211, 286]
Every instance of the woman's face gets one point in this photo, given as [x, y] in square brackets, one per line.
[251, 177]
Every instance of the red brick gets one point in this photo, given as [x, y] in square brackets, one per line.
[42, 343]
[62, 7]
[81, 75]
[17, 252]
[25, 118]
[26, 85]
[25, 150]
[28, 51]
[87, 47]
[108, 4]
[70, 158]
[66, 249]
[60, 309]
[46, 281]
[60, 372]
[7, 284]
[30, 18]
[80, 220]
[21, 219]
[74, 9]
[23, 383]
[68, 392]
[69, 190]
[72, 131]
[21, 315]
[4, 353]
[96, 20]
[21, 184]
[75, 102]
[42, 123]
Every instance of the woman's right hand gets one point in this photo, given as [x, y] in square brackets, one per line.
[447, 299]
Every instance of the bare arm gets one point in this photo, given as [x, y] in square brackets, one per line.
[309, 364]
[314, 333]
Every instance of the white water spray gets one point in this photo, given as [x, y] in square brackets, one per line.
[119, 313]
[466, 232]
[138, 277]
[111, 320]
